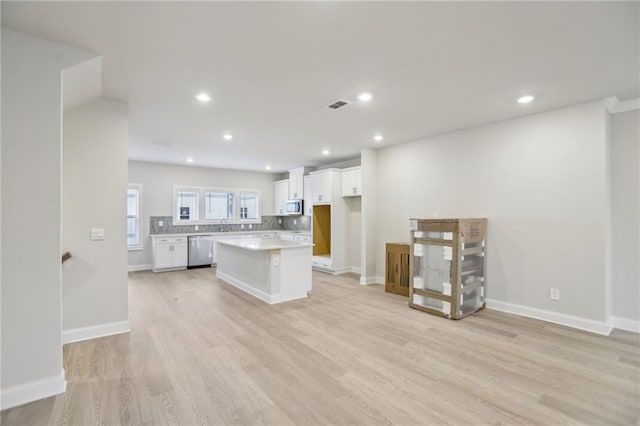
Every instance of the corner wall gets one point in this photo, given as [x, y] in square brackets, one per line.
[371, 236]
[541, 182]
[625, 209]
[94, 188]
[31, 169]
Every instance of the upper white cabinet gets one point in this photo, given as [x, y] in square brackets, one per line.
[325, 184]
[308, 196]
[281, 195]
[296, 183]
[352, 182]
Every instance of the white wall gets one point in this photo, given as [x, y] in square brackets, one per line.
[94, 187]
[354, 217]
[157, 192]
[541, 182]
[370, 235]
[625, 203]
[31, 169]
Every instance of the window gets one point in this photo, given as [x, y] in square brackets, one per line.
[249, 205]
[134, 194]
[201, 206]
[218, 205]
[186, 205]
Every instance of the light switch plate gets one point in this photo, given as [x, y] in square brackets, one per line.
[554, 293]
[196, 227]
[160, 223]
[276, 260]
[97, 234]
[250, 226]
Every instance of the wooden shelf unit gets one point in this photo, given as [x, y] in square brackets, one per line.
[447, 266]
[397, 268]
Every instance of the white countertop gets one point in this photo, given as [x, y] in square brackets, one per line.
[263, 243]
[287, 231]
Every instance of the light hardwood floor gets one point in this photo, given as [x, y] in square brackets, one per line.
[202, 352]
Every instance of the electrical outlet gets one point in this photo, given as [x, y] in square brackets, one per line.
[295, 221]
[276, 260]
[161, 223]
[242, 226]
[554, 293]
[279, 221]
[196, 227]
[250, 226]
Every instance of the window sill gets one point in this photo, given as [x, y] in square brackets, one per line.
[135, 248]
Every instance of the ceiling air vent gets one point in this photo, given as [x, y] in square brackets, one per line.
[339, 104]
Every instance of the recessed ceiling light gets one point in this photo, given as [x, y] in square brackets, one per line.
[326, 152]
[365, 97]
[189, 160]
[267, 167]
[525, 99]
[378, 138]
[227, 136]
[203, 97]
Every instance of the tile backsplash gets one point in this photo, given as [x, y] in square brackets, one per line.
[302, 223]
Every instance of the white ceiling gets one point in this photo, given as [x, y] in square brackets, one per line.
[272, 69]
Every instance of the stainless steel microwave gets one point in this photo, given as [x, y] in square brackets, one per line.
[294, 207]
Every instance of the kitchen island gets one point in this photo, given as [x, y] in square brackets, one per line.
[271, 270]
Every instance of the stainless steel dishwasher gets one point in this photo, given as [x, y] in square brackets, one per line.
[200, 251]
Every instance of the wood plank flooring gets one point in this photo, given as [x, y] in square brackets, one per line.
[202, 352]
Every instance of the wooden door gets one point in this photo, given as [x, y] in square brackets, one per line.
[397, 269]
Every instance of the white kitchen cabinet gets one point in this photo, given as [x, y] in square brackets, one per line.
[169, 253]
[302, 238]
[308, 196]
[324, 184]
[287, 236]
[352, 182]
[296, 183]
[330, 221]
[281, 195]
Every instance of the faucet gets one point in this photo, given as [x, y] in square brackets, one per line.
[226, 224]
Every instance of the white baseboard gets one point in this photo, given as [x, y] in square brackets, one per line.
[356, 270]
[265, 297]
[599, 327]
[134, 268]
[33, 391]
[626, 324]
[371, 280]
[95, 331]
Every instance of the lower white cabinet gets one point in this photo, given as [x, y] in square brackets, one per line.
[302, 238]
[287, 236]
[169, 253]
[322, 262]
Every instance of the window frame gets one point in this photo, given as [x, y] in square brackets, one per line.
[175, 214]
[258, 202]
[230, 212]
[140, 245]
[201, 205]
